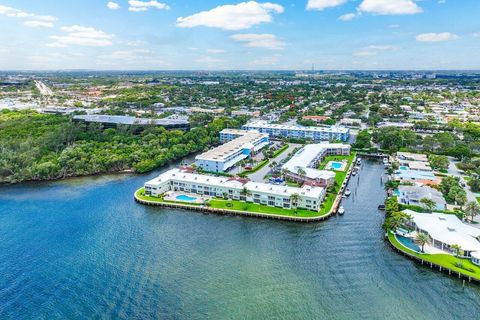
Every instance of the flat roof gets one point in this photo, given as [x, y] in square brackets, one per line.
[413, 156]
[266, 124]
[129, 120]
[285, 191]
[304, 157]
[223, 151]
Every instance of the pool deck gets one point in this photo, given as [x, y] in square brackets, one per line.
[172, 196]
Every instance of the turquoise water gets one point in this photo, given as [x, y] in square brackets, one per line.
[408, 242]
[83, 249]
[183, 197]
[396, 193]
[336, 165]
[403, 168]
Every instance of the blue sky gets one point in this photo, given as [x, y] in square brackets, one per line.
[226, 35]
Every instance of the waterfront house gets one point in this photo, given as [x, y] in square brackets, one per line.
[445, 231]
[411, 195]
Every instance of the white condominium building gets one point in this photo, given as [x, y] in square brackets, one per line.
[261, 193]
[294, 131]
[309, 157]
[241, 145]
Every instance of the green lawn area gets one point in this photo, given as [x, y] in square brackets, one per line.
[280, 151]
[254, 207]
[478, 199]
[339, 178]
[444, 260]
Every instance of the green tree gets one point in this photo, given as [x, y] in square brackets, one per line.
[422, 239]
[456, 248]
[472, 209]
[429, 204]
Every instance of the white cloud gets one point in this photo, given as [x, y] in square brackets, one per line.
[34, 20]
[365, 53]
[347, 17]
[215, 51]
[394, 26]
[323, 4]
[209, 60]
[232, 17]
[113, 5]
[81, 36]
[390, 7]
[36, 23]
[138, 6]
[436, 37]
[476, 34]
[373, 50]
[266, 61]
[265, 40]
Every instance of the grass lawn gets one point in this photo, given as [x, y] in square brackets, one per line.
[444, 260]
[339, 178]
[478, 199]
[280, 151]
[254, 207]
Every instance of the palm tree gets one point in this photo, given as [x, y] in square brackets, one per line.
[456, 248]
[429, 204]
[472, 209]
[421, 239]
[245, 192]
[301, 171]
[294, 198]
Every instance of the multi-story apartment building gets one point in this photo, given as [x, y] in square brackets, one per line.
[316, 134]
[176, 180]
[239, 145]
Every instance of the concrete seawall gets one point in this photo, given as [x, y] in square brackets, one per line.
[333, 210]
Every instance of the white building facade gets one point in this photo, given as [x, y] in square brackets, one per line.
[262, 193]
[316, 134]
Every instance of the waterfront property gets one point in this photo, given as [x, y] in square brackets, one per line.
[315, 134]
[416, 176]
[139, 124]
[412, 195]
[413, 161]
[446, 232]
[209, 187]
[239, 145]
[303, 165]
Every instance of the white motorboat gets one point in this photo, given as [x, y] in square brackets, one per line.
[341, 211]
[347, 192]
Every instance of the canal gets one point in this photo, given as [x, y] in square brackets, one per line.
[82, 248]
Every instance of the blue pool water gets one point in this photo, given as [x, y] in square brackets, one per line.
[183, 197]
[396, 193]
[409, 243]
[336, 165]
[403, 168]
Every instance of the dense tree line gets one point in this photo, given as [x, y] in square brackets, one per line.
[43, 147]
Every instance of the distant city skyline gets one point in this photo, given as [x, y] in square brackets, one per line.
[236, 35]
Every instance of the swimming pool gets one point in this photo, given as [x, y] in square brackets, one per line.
[396, 193]
[183, 197]
[403, 168]
[336, 165]
[409, 243]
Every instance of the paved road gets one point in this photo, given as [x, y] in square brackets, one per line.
[453, 170]
[258, 176]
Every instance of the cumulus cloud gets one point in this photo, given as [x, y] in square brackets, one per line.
[436, 37]
[81, 36]
[390, 7]
[138, 6]
[347, 17]
[232, 17]
[324, 4]
[37, 23]
[34, 19]
[113, 5]
[265, 40]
